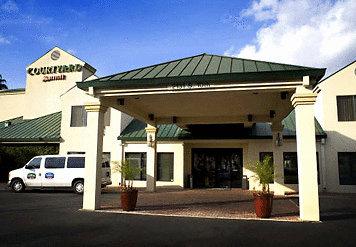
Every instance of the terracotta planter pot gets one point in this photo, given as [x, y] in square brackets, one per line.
[263, 204]
[128, 200]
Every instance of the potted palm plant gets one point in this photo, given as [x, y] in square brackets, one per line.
[128, 192]
[263, 199]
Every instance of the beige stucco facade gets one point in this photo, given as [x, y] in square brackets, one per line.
[12, 104]
[341, 135]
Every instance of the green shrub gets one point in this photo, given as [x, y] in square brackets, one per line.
[128, 173]
[264, 172]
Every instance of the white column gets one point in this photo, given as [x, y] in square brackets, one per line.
[151, 162]
[303, 101]
[278, 186]
[93, 155]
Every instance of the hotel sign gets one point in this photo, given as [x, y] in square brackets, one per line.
[189, 85]
[55, 73]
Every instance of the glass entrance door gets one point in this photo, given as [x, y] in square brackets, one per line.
[217, 168]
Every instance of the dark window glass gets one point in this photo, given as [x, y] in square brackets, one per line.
[75, 152]
[106, 159]
[139, 160]
[78, 116]
[107, 117]
[76, 162]
[346, 108]
[35, 163]
[55, 162]
[165, 166]
[347, 168]
[290, 162]
[263, 155]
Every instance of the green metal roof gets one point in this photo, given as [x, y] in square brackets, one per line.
[135, 131]
[43, 129]
[11, 122]
[204, 68]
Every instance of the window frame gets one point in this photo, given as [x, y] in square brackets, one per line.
[28, 165]
[351, 159]
[143, 164]
[171, 169]
[75, 157]
[84, 120]
[350, 114]
[62, 157]
[317, 167]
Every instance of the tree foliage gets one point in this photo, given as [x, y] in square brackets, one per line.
[2, 83]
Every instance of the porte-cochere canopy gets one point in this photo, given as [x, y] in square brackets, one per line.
[208, 90]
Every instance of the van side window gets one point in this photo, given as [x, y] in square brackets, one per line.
[76, 162]
[105, 164]
[55, 162]
[35, 163]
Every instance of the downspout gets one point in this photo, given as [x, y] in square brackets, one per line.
[323, 165]
[122, 158]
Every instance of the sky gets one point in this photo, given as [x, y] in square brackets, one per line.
[115, 36]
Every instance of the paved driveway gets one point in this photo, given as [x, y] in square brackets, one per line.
[41, 218]
[210, 203]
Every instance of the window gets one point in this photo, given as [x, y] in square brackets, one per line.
[139, 160]
[34, 163]
[346, 108]
[76, 162]
[165, 166]
[347, 168]
[107, 117]
[55, 162]
[263, 155]
[106, 160]
[78, 117]
[290, 162]
[75, 152]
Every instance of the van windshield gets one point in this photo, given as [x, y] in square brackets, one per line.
[34, 163]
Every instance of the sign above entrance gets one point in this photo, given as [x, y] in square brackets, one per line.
[189, 85]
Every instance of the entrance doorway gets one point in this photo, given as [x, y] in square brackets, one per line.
[217, 167]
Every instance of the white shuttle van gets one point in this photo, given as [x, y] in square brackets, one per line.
[54, 171]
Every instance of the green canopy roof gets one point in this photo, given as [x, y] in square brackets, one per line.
[135, 131]
[204, 68]
[43, 129]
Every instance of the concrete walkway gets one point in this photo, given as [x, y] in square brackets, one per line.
[207, 203]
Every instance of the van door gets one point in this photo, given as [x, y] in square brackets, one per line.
[32, 174]
[54, 172]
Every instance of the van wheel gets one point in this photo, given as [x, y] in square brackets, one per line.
[78, 187]
[17, 186]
